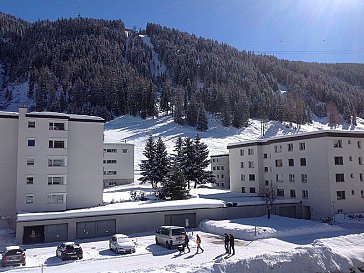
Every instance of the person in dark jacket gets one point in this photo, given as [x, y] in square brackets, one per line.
[231, 244]
[187, 240]
[198, 242]
[226, 239]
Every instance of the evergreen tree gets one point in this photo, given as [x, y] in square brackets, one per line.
[161, 161]
[202, 123]
[174, 185]
[188, 160]
[192, 111]
[178, 106]
[147, 166]
[178, 156]
[201, 175]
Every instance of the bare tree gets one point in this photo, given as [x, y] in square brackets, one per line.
[268, 194]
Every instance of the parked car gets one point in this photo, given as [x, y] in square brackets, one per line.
[69, 250]
[13, 255]
[170, 236]
[121, 243]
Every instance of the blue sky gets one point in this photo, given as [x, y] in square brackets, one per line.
[308, 30]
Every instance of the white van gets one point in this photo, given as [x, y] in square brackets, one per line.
[170, 236]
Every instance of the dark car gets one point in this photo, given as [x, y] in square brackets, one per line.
[13, 255]
[69, 250]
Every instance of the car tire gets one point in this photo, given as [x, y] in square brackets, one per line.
[168, 245]
[63, 257]
[81, 257]
[156, 241]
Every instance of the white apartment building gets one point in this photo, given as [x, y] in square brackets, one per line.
[118, 164]
[324, 169]
[220, 169]
[49, 162]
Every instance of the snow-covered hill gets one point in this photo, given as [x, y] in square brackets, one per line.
[136, 131]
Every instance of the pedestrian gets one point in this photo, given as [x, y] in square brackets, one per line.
[198, 242]
[231, 243]
[186, 242]
[226, 239]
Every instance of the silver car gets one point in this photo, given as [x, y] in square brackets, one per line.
[121, 243]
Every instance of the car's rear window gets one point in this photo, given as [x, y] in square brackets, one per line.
[179, 231]
[13, 252]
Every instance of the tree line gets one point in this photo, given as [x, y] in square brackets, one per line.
[98, 67]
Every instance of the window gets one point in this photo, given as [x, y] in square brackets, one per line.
[304, 177]
[303, 161]
[266, 169]
[57, 198]
[352, 192]
[242, 165]
[31, 124]
[31, 142]
[350, 158]
[59, 126]
[56, 162]
[30, 161]
[290, 147]
[214, 168]
[251, 164]
[362, 193]
[351, 175]
[265, 155]
[304, 194]
[109, 172]
[217, 168]
[266, 182]
[339, 160]
[291, 177]
[252, 190]
[217, 176]
[29, 199]
[360, 160]
[359, 144]
[277, 148]
[242, 177]
[279, 177]
[280, 192]
[340, 195]
[56, 144]
[125, 151]
[251, 177]
[302, 146]
[30, 180]
[241, 152]
[290, 162]
[340, 177]
[222, 176]
[222, 168]
[217, 160]
[113, 161]
[250, 151]
[361, 177]
[338, 143]
[279, 163]
[213, 160]
[292, 193]
[56, 180]
[110, 150]
[242, 189]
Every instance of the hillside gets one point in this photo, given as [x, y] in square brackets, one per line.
[136, 131]
[99, 67]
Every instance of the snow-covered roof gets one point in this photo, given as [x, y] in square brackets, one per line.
[72, 117]
[8, 114]
[306, 135]
[123, 208]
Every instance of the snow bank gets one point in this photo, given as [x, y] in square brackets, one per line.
[261, 227]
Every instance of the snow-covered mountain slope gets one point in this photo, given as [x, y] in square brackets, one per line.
[136, 131]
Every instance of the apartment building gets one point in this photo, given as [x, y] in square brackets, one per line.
[118, 164]
[220, 169]
[324, 170]
[49, 162]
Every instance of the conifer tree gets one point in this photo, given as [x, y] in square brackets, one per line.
[147, 166]
[192, 111]
[174, 185]
[202, 123]
[201, 175]
[161, 161]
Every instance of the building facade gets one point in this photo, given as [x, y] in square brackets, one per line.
[49, 162]
[324, 170]
[118, 164]
[220, 169]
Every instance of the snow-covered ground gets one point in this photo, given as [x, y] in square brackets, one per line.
[324, 248]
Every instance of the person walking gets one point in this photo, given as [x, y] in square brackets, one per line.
[226, 239]
[231, 244]
[187, 240]
[198, 242]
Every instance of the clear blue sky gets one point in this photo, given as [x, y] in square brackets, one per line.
[308, 30]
